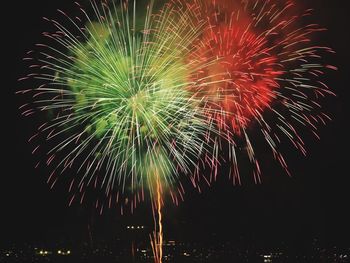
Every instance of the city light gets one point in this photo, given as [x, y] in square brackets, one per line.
[135, 227]
[174, 252]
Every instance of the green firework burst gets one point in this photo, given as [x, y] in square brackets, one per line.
[120, 98]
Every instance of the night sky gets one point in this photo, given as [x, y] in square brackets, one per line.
[314, 202]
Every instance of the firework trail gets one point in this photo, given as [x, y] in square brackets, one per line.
[135, 104]
[157, 237]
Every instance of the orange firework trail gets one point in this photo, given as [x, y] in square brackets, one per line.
[160, 224]
[157, 237]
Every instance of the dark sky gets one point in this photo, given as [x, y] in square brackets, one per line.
[313, 203]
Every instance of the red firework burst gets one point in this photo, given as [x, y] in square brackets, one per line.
[261, 61]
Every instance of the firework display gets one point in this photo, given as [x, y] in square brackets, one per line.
[137, 101]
